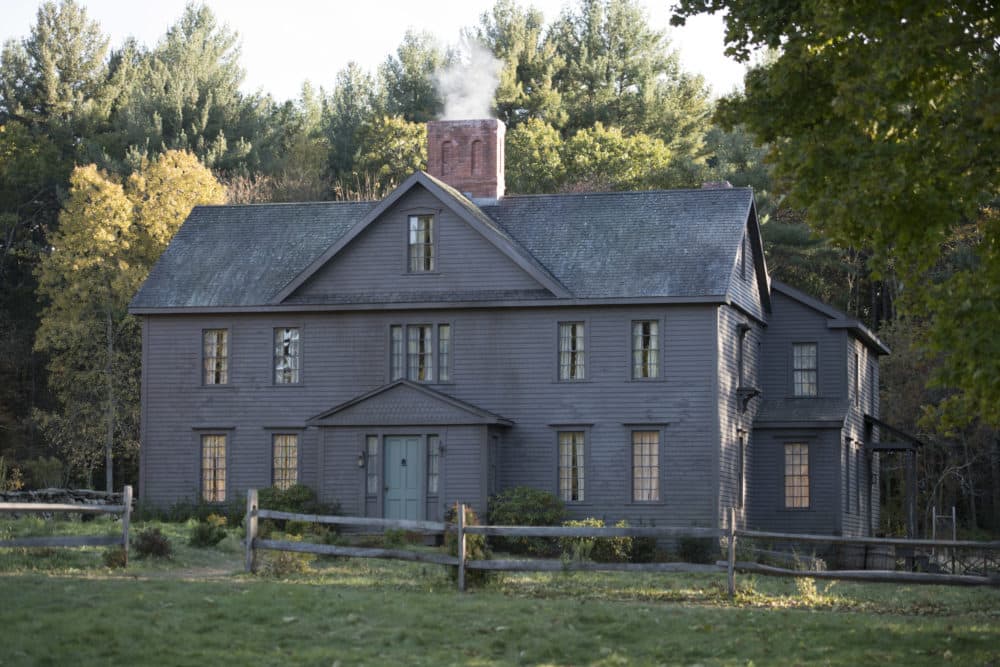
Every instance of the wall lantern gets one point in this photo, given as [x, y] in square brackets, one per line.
[362, 459]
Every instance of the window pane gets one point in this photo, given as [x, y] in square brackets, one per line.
[215, 354]
[571, 351]
[645, 349]
[420, 353]
[286, 356]
[796, 475]
[285, 460]
[571, 466]
[444, 352]
[421, 243]
[804, 369]
[433, 463]
[645, 465]
[213, 468]
[396, 352]
[371, 456]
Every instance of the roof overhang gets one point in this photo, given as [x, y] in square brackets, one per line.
[905, 442]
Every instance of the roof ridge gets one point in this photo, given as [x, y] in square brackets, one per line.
[617, 193]
[288, 203]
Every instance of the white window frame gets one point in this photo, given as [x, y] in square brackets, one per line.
[213, 484]
[421, 243]
[287, 461]
[571, 457]
[653, 462]
[643, 357]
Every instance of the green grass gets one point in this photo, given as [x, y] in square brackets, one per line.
[199, 608]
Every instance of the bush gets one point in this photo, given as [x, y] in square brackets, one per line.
[151, 542]
[600, 549]
[475, 546]
[285, 563]
[395, 538]
[115, 558]
[297, 498]
[209, 532]
[644, 550]
[525, 506]
[697, 549]
[44, 473]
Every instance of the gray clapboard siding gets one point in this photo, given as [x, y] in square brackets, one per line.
[375, 261]
[503, 361]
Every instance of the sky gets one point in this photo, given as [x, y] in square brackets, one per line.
[288, 42]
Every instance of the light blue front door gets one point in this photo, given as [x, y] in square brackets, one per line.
[404, 474]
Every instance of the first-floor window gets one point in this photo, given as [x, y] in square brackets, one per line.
[213, 468]
[371, 458]
[571, 466]
[284, 460]
[444, 352]
[796, 475]
[645, 465]
[433, 464]
[740, 469]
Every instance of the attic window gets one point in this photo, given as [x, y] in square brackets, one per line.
[421, 243]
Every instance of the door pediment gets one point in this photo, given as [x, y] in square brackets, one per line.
[406, 403]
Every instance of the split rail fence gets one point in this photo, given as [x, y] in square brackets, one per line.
[125, 510]
[731, 536]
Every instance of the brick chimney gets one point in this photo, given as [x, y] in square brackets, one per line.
[468, 155]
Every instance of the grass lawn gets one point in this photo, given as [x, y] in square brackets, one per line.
[199, 609]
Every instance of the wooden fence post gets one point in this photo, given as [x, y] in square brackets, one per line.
[732, 552]
[461, 546]
[251, 527]
[126, 517]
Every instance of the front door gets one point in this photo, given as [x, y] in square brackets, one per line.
[404, 474]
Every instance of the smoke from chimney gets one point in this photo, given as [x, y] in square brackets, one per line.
[468, 84]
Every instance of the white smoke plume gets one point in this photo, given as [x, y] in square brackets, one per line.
[467, 84]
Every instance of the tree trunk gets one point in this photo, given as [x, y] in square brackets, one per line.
[108, 368]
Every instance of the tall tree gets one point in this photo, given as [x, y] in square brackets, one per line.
[349, 106]
[882, 118]
[108, 238]
[618, 70]
[407, 79]
[526, 90]
[390, 149]
[185, 94]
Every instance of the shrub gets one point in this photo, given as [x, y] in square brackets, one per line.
[44, 473]
[394, 538]
[600, 549]
[115, 558]
[285, 563]
[525, 506]
[475, 546]
[297, 498]
[644, 550]
[697, 549]
[209, 532]
[151, 542]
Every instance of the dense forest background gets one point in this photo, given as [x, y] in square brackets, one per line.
[103, 151]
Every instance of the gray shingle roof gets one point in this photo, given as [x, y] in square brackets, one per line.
[674, 243]
[242, 255]
[832, 411]
[665, 243]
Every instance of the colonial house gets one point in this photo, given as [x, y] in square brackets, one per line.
[626, 351]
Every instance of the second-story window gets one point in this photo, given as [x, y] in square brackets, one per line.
[421, 243]
[420, 353]
[572, 352]
[286, 356]
[397, 353]
[645, 349]
[215, 356]
[804, 369]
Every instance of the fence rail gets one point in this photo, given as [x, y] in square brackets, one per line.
[125, 510]
[730, 536]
